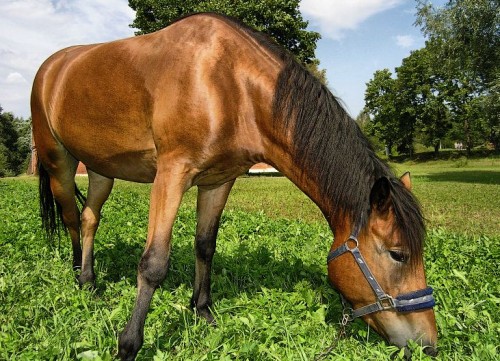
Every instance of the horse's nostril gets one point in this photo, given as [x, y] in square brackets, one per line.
[431, 351]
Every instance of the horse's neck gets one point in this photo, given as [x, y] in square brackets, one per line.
[283, 158]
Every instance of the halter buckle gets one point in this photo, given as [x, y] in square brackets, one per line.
[386, 302]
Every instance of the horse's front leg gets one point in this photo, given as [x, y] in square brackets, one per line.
[210, 204]
[166, 196]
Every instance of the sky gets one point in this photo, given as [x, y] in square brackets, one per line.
[358, 38]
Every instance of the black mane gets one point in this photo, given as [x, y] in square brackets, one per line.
[328, 143]
[330, 147]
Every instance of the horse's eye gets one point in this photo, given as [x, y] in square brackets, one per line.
[399, 256]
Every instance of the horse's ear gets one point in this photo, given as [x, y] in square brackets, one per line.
[406, 180]
[380, 195]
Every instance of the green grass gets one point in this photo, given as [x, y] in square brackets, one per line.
[460, 195]
[271, 297]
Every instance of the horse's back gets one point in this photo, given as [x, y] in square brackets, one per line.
[184, 89]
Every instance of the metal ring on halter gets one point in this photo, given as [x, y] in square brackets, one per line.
[352, 238]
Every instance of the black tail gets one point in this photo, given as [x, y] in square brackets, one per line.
[79, 195]
[50, 210]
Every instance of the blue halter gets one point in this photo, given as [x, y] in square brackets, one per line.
[407, 302]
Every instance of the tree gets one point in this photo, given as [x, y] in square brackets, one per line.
[421, 90]
[468, 35]
[380, 98]
[465, 36]
[410, 104]
[365, 124]
[281, 19]
[490, 109]
[14, 144]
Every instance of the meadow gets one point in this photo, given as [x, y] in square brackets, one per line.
[270, 292]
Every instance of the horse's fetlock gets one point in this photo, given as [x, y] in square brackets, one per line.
[77, 259]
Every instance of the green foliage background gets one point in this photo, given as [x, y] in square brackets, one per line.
[271, 297]
[15, 137]
[448, 91]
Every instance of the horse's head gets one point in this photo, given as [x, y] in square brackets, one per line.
[380, 271]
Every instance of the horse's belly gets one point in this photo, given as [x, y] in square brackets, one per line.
[215, 177]
[137, 167]
[134, 166]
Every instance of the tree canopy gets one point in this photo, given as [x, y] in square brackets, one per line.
[464, 35]
[15, 136]
[280, 19]
[448, 89]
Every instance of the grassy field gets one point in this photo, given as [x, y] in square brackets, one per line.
[271, 298]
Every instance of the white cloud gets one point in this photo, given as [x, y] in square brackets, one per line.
[405, 41]
[334, 17]
[31, 30]
[15, 78]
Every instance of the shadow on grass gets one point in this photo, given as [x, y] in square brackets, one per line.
[467, 176]
[246, 271]
[445, 154]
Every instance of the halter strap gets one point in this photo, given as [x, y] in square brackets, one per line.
[407, 302]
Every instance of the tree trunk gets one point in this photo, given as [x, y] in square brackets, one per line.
[468, 138]
[436, 148]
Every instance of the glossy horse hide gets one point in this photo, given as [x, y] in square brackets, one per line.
[197, 104]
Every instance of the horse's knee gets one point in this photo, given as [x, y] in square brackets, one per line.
[71, 218]
[153, 267]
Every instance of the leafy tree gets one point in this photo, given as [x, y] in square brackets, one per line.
[410, 104]
[365, 124]
[449, 88]
[467, 33]
[421, 100]
[489, 105]
[281, 19]
[15, 136]
[380, 98]
[465, 37]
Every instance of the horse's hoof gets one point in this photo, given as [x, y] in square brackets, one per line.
[129, 345]
[86, 281]
[207, 315]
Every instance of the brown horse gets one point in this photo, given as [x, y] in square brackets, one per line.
[197, 104]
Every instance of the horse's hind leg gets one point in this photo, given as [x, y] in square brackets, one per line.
[99, 190]
[62, 185]
[210, 204]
